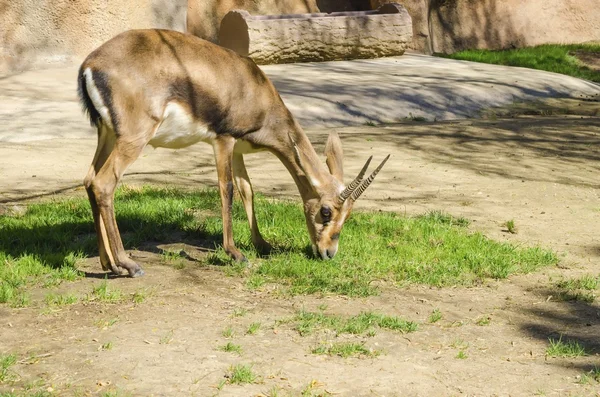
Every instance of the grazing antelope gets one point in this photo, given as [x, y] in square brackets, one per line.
[172, 90]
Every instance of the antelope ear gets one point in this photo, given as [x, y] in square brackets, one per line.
[335, 156]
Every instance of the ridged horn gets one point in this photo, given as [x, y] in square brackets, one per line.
[365, 184]
[354, 184]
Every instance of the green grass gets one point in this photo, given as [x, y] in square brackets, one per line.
[549, 57]
[569, 348]
[346, 349]
[253, 329]
[581, 289]
[308, 322]
[240, 374]
[228, 333]
[231, 347]
[435, 316]
[47, 240]
[105, 293]
[461, 355]
[511, 227]
[61, 300]
[6, 362]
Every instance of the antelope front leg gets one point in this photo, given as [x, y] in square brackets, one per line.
[223, 148]
[244, 186]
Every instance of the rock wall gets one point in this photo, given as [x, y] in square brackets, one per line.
[453, 25]
[36, 33]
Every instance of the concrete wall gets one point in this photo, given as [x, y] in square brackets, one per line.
[36, 33]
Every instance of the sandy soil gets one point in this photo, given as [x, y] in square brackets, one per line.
[541, 171]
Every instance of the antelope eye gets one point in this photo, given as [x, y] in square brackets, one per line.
[326, 213]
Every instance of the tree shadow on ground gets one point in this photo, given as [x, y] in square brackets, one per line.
[540, 149]
[567, 320]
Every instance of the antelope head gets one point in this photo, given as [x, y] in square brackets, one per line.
[331, 203]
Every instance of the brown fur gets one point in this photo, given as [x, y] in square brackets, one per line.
[138, 73]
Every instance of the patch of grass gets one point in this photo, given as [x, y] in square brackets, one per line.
[586, 282]
[461, 355]
[484, 320]
[140, 295]
[253, 329]
[6, 362]
[307, 322]
[435, 316]
[434, 249]
[61, 300]
[579, 289]
[511, 227]
[107, 346]
[231, 347]
[570, 348]
[255, 281]
[105, 293]
[550, 57]
[346, 349]
[240, 374]
[228, 333]
[311, 390]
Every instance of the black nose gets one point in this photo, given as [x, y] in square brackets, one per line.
[330, 254]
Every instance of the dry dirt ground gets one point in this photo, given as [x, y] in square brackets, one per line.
[541, 171]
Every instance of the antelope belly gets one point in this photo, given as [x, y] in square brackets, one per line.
[179, 129]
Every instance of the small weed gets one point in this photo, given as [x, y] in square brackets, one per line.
[310, 390]
[106, 323]
[459, 344]
[140, 295]
[461, 355]
[253, 329]
[273, 392]
[482, 321]
[240, 374]
[106, 346]
[322, 307]
[231, 348]
[166, 338]
[221, 384]
[7, 361]
[511, 227]
[103, 293]
[61, 300]
[435, 316]
[370, 123]
[228, 333]
[346, 349]
[570, 348]
[239, 312]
